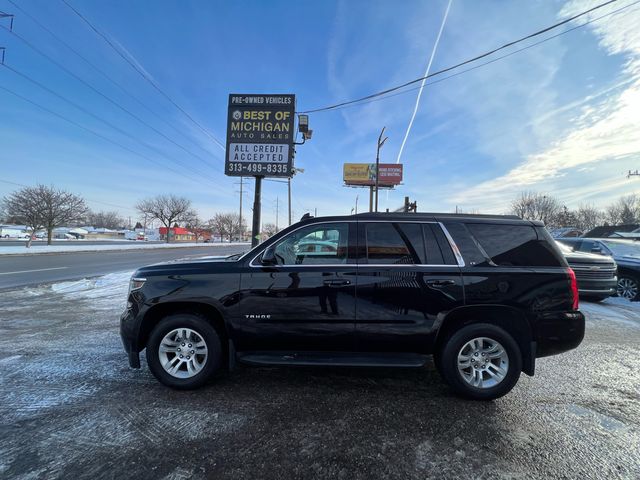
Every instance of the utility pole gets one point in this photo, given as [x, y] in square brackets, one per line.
[357, 204]
[241, 229]
[289, 198]
[255, 227]
[380, 144]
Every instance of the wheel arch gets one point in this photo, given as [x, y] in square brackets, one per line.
[510, 319]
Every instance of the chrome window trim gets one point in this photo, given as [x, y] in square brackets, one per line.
[452, 244]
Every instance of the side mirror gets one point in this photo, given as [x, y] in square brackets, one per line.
[269, 256]
[596, 250]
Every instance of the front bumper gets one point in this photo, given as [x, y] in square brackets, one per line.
[129, 334]
[597, 288]
[558, 332]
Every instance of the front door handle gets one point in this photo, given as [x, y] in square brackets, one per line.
[440, 283]
[336, 283]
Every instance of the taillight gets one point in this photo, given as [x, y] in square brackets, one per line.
[574, 288]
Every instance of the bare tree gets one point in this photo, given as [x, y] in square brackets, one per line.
[194, 223]
[226, 225]
[269, 229]
[44, 207]
[168, 209]
[103, 219]
[588, 217]
[626, 210]
[534, 206]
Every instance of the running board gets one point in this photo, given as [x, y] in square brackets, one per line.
[334, 359]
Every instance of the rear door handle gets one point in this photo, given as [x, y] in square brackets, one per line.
[336, 283]
[440, 283]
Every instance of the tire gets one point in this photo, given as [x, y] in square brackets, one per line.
[190, 333]
[628, 287]
[494, 381]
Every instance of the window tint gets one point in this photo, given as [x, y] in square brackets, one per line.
[466, 243]
[320, 244]
[394, 243]
[513, 245]
[438, 248]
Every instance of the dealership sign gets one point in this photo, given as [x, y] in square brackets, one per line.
[260, 135]
[364, 174]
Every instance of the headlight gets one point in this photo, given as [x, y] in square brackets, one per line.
[136, 283]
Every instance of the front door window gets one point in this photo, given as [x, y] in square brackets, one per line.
[322, 244]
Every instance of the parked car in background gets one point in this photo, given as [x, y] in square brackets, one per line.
[12, 231]
[596, 274]
[626, 254]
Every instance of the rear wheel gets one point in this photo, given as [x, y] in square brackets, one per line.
[184, 351]
[628, 287]
[481, 361]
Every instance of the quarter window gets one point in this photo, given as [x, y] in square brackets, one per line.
[320, 244]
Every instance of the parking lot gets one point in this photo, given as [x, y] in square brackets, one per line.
[72, 408]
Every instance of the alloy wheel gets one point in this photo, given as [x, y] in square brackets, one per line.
[483, 362]
[627, 288]
[183, 353]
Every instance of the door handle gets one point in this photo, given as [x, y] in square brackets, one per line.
[336, 283]
[440, 283]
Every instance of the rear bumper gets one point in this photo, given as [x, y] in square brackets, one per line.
[559, 332]
[129, 336]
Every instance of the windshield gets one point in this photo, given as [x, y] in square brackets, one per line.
[623, 249]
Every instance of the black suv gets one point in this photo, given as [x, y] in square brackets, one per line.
[485, 295]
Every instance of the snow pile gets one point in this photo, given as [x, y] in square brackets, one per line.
[19, 250]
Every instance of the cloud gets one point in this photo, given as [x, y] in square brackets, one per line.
[605, 131]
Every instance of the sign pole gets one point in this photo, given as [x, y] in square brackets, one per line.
[255, 227]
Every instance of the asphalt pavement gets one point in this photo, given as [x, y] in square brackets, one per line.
[19, 270]
[71, 408]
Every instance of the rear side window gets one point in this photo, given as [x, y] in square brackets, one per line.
[394, 243]
[438, 248]
[467, 245]
[513, 245]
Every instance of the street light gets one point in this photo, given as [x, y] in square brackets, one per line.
[380, 144]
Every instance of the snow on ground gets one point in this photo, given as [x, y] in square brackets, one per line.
[19, 250]
[615, 310]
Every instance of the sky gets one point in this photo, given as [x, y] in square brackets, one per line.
[560, 118]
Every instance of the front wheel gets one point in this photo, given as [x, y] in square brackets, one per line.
[481, 361]
[184, 351]
[628, 287]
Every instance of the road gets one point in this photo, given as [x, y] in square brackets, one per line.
[18, 270]
[71, 408]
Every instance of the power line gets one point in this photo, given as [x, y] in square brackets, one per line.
[111, 125]
[93, 132]
[91, 200]
[105, 75]
[110, 100]
[447, 69]
[433, 82]
[144, 75]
